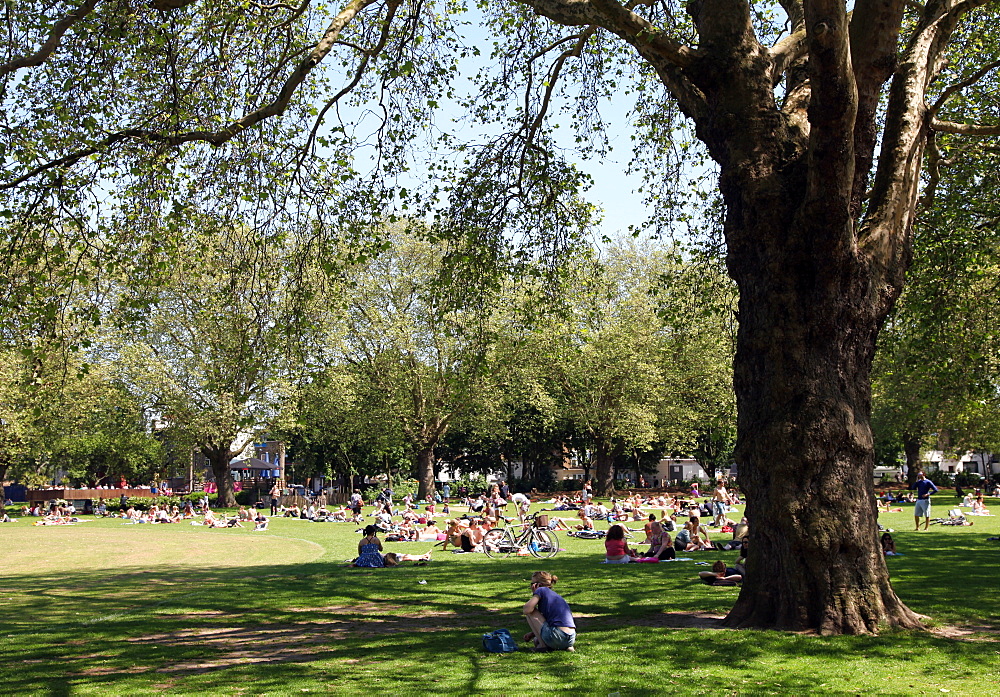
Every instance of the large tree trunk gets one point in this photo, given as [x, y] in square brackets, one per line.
[425, 472]
[809, 318]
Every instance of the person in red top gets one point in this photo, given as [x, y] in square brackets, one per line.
[615, 549]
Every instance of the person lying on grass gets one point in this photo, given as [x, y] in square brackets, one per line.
[721, 575]
[549, 616]
[884, 506]
[394, 558]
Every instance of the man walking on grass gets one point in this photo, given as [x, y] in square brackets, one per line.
[925, 487]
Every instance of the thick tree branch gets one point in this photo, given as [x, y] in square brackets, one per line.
[795, 12]
[786, 52]
[886, 232]
[832, 110]
[619, 20]
[933, 172]
[275, 108]
[52, 42]
[965, 129]
[874, 33]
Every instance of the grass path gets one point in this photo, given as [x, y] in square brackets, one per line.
[102, 608]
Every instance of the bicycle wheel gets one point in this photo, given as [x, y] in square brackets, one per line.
[498, 544]
[544, 543]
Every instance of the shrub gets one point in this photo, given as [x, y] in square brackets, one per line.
[968, 479]
[941, 478]
[245, 497]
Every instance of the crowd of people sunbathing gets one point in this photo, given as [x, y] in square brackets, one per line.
[203, 515]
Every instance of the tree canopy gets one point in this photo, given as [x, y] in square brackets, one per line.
[817, 119]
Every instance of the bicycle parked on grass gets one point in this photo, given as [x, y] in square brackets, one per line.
[536, 538]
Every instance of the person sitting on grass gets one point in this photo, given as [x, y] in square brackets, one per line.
[585, 522]
[697, 544]
[664, 550]
[477, 532]
[653, 530]
[697, 536]
[979, 507]
[260, 522]
[888, 545]
[431, 532]
[616, 551]
[369, 549]
[458, 535]
[549, 616]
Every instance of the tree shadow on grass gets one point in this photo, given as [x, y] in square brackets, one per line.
[195, 630]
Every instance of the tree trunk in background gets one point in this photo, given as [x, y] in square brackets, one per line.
[219, 459]
[911, 448]
[3, 496]
[604, 463]
[425, 472]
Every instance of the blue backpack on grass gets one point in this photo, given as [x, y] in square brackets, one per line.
[499, 641]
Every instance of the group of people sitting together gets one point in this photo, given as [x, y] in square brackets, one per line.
[974, 501]
[693, 536]
[320, 514]
[633, 507]
[175, 514]
[251, 517]
[55, 514]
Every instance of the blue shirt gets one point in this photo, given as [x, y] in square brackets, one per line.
[925, 487]
[554, 608]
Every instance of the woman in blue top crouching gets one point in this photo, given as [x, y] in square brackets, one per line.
[549, 616]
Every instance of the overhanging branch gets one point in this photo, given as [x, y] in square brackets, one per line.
[617, 19]
[965, 129]
[52, 42]
[952, 90]
[274, 108]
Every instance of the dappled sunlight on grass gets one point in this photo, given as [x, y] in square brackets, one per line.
[233, 612]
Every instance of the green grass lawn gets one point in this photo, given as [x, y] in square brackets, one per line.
[103, 608]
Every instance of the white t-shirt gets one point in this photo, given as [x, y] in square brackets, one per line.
[519, 498]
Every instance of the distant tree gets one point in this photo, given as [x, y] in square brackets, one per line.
[418, 358]
[213, 352]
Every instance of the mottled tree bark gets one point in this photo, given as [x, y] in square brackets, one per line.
[806, 340]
